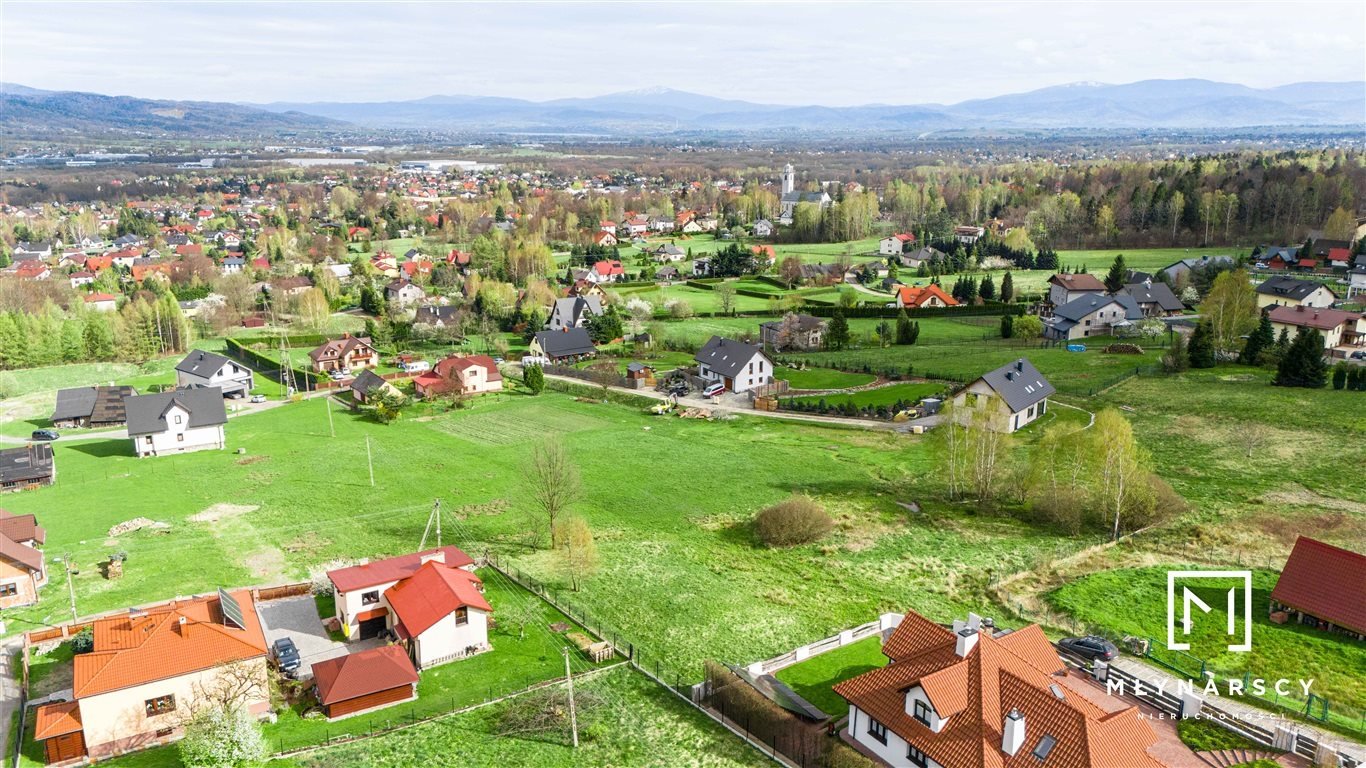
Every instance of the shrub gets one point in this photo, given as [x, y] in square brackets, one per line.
[844, 756]
[796, 520]
[217, 737]
[83, 641]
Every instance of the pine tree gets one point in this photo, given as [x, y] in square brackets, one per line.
[1282, 347]
[1114, 281]
[903, 328]
[1303, 365]
[1340, 376]
[1007, 325]
[987, 289]
[1259, 342]
[837, 332]
[1007, 288]
[1201, 350]
[1177, 358]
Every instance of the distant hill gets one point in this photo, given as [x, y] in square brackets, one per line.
[24, 110]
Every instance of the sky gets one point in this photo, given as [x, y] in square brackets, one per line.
[830, 53]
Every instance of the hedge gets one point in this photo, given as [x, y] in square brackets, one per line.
[262, 363]
[990, 308]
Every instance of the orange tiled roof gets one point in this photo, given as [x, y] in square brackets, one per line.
[57, 719]
[433, 593]
[911, 296]
[975, 693]
[155, 644]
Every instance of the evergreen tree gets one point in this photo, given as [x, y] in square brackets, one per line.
[1259, 342]
[1114, 280]
[837, 332]
[1282, 345]
[534, 379]
[1340, 376]
[903, 328]
[1177, 358]
[1007, 288]
[1201, 350]
[987, 289]
[1303, 365]
[1007, 325]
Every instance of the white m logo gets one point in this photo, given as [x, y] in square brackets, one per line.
[1189, 598]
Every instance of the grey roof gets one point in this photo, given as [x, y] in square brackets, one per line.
[570, 341]
[1360, 261]
[797, 196]
[1019, 384]
[430, 313]
[572, 309]
[25, 463]
[727, 356]
[1078, 308]
[1322, 246]
[101, 405]
[1289, 287]
[147, 413]
[202, 364]
[1155, 293]
[74, 403]
[367, 382]
[1193, 263]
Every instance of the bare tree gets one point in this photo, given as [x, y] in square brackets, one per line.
[725, 295]
[554, 484]
[578, 558]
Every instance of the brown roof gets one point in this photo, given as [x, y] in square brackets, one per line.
[155, 644]
[1311, 317]
[1326, 582]
[340, 347]
[1017, 670]
[1077, 281]
[21, 527]
[57, 719]
[362, 673]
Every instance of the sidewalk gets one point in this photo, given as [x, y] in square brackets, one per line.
[1263, 718]
[9, 686]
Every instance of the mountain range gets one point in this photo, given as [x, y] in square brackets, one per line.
[1147, 104]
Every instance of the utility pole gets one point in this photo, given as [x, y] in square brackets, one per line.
[370, 459]
[327, 403]
[66, 563]
[573, 716]
[434, 517]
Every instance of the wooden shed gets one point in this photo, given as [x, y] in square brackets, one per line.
[59, 727]
[360, 682]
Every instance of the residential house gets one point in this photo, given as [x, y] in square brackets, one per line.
[1324, 249]
[80, 278]
[762, 228]
[563, 346]
[364, 681]
[973, 696]
[923, 257]
[291, 285]
[27, 467]
[403, 293]
[968, 234]
[1154, 299]
[22, 571]
[1339, 327]
[368, 385]
[150, 668]
[1285, 291]
[179, 421]
[431, 601]
[1095, 315]
[668, 252]
[1356, 278]
[604, 239]
[94, 407]
[1322, 586]
[607, 272]
[1176, 269]
[344, 354]
[1010, 396]
[669, 273]
[438, 316]
[1065, 287]
[206, 369]
[468, 375]
[233, 265]
[793, 331]
[585, 288]
[101, 301]
[24, 250]
[573, 312]
[740, 366]
[917, 297]
[895, 245]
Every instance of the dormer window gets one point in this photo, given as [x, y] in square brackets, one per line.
[922, 712]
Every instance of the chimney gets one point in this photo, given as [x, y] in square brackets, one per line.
[1013, 733]
[1010, 375]
[967, 639]
[1019, 365]
[183, 627]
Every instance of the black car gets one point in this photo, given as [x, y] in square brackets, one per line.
[286, 656]
[1090, 647]
[44, 434]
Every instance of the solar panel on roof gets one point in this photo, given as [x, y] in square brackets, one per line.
[232, 612]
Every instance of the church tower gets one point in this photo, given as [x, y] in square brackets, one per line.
[789, 179]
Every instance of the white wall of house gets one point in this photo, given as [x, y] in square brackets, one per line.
[121, 716]
[231, 377]
[756, 373]
[1001, 417]
[889, 246]
[351, 603]
[1060, 295]
[892, 753]
[1332, 337]
[179, 437]
[445, 638]
[1320, 297]
[916, 693]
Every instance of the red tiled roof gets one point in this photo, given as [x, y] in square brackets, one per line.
[1307, 263]
[57, 720]
[910, 296]
[1077, 281]
[458, 364]
[394, 568]
[362, 673]
[1326, 582]
[1313, 317]
[155, 644]
[1339, 254]
[433, 593]
[91, 298]
[607, 268]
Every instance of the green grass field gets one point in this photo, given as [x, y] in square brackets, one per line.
[812, 679]
[822, 378]
[906, 392]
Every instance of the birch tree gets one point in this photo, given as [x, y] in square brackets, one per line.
[1120, 467]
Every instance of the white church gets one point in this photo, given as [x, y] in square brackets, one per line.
[791, 197]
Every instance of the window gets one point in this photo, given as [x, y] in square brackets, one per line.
[180, 438]
[462, 616]
[149, 439]
[1044, 747]
[369, 598]
[177, 418]
[916, 756]
[164, 732]
[877, 730]
[922, 711]
[9, 590]
[160, 705]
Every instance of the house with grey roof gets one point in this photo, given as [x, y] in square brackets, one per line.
[563, 346]
[1286, 291]
[179, 421]
[1184, 266]
[793, 331]
[27, 466]
[1009, 397]
[1092, 315]
[1155, 299]
[438, 316]
[573, 312]
[94, 407]
[206, 369]
[740, 366]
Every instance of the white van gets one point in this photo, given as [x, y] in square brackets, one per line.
[417, 366]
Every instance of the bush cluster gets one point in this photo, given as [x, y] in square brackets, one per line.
[795, 520]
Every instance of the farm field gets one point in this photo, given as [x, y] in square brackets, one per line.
[813, 678]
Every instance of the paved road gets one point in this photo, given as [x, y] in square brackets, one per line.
[9, 686]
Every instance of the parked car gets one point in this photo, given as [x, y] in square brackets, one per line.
[286, 656]
[337, 375]
[44, 434]
[679, 390]
[1360, 354]
[1090, 647]
[534, 360]
[713, 390]
[258, 398]
[416, 366]
[499, 360]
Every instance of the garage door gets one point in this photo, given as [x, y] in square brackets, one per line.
[371, 628]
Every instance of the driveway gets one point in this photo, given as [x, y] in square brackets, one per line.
[297, 619]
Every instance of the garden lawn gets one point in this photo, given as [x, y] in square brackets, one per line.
[813, 679]
[905, 392]
[822, 378]
[933, 331]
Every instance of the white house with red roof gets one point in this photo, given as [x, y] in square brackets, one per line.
[607, 272]
[101, 302]
[431, 601]
[895, 244]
